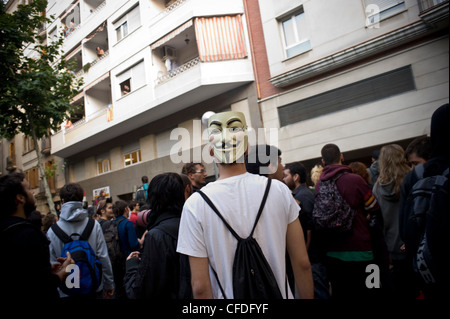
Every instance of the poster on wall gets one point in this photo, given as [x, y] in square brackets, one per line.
[96, 192]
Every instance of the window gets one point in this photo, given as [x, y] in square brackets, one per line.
[132, 158]
[122, 31]
[295, 31]
[32, 176]
[125, 87]
[103, 166]
[28, 144]
[377, 10]
[127, 23]
[131, 79]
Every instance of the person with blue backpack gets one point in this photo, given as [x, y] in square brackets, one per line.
[83, 237]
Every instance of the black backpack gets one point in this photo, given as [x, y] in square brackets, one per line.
[331, 211]
[425, 227]
[252, 276]
[111, 234]
[140, 196]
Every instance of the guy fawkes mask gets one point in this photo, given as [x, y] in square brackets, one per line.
[228, 136]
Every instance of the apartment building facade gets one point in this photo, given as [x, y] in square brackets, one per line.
[151, 69]
[357, 73]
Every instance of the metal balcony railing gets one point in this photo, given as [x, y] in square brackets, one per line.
[168, 10]
[173, 73]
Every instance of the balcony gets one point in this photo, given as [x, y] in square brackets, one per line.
[46, 145]
[434, 12]
[183, 73]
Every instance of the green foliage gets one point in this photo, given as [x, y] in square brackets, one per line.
[37, 85]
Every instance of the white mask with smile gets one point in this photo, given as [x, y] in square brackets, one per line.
[228, 136]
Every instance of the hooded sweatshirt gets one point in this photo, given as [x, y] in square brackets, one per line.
[354, 245]
[73, 219]
[390, 209]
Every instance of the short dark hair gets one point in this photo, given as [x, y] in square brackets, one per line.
[10, 186]
[330, 154]
[297, 168]
[119, 208]
[144, 179]
[71, 192]
[132, 204]
[166, 193]
[421, 146]
[186, 180]
[261, 156]
[190, 168]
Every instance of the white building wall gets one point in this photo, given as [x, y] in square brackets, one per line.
[396, 118]
[334, 26]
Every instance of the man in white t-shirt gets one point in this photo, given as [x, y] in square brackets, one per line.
[237, 194]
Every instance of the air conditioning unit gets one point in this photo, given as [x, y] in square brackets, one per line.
[169, 53]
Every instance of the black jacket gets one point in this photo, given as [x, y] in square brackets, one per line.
[161, 272]
[25, 267]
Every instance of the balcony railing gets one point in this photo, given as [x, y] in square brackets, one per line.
[173, 73]
[168, 10]
[96, 61]
[93, 13]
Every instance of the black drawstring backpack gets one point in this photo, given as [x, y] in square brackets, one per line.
[252, 276]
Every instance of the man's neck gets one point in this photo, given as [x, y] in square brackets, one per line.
[297, 185]
[230, 170]
[19, 213]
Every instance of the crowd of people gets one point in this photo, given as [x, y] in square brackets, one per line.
[173, 246]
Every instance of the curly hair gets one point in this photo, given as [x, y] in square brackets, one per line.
[360, 169]
[393, 166]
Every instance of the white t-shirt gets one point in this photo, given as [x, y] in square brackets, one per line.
[203, 234]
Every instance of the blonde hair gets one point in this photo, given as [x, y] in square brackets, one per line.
[316, 171]
[393, 166]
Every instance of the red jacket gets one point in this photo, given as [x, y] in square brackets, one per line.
[359, 195]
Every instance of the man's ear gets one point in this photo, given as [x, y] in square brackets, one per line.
[342, 158]
[297, 178]
[20, 199]
[323, 162]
